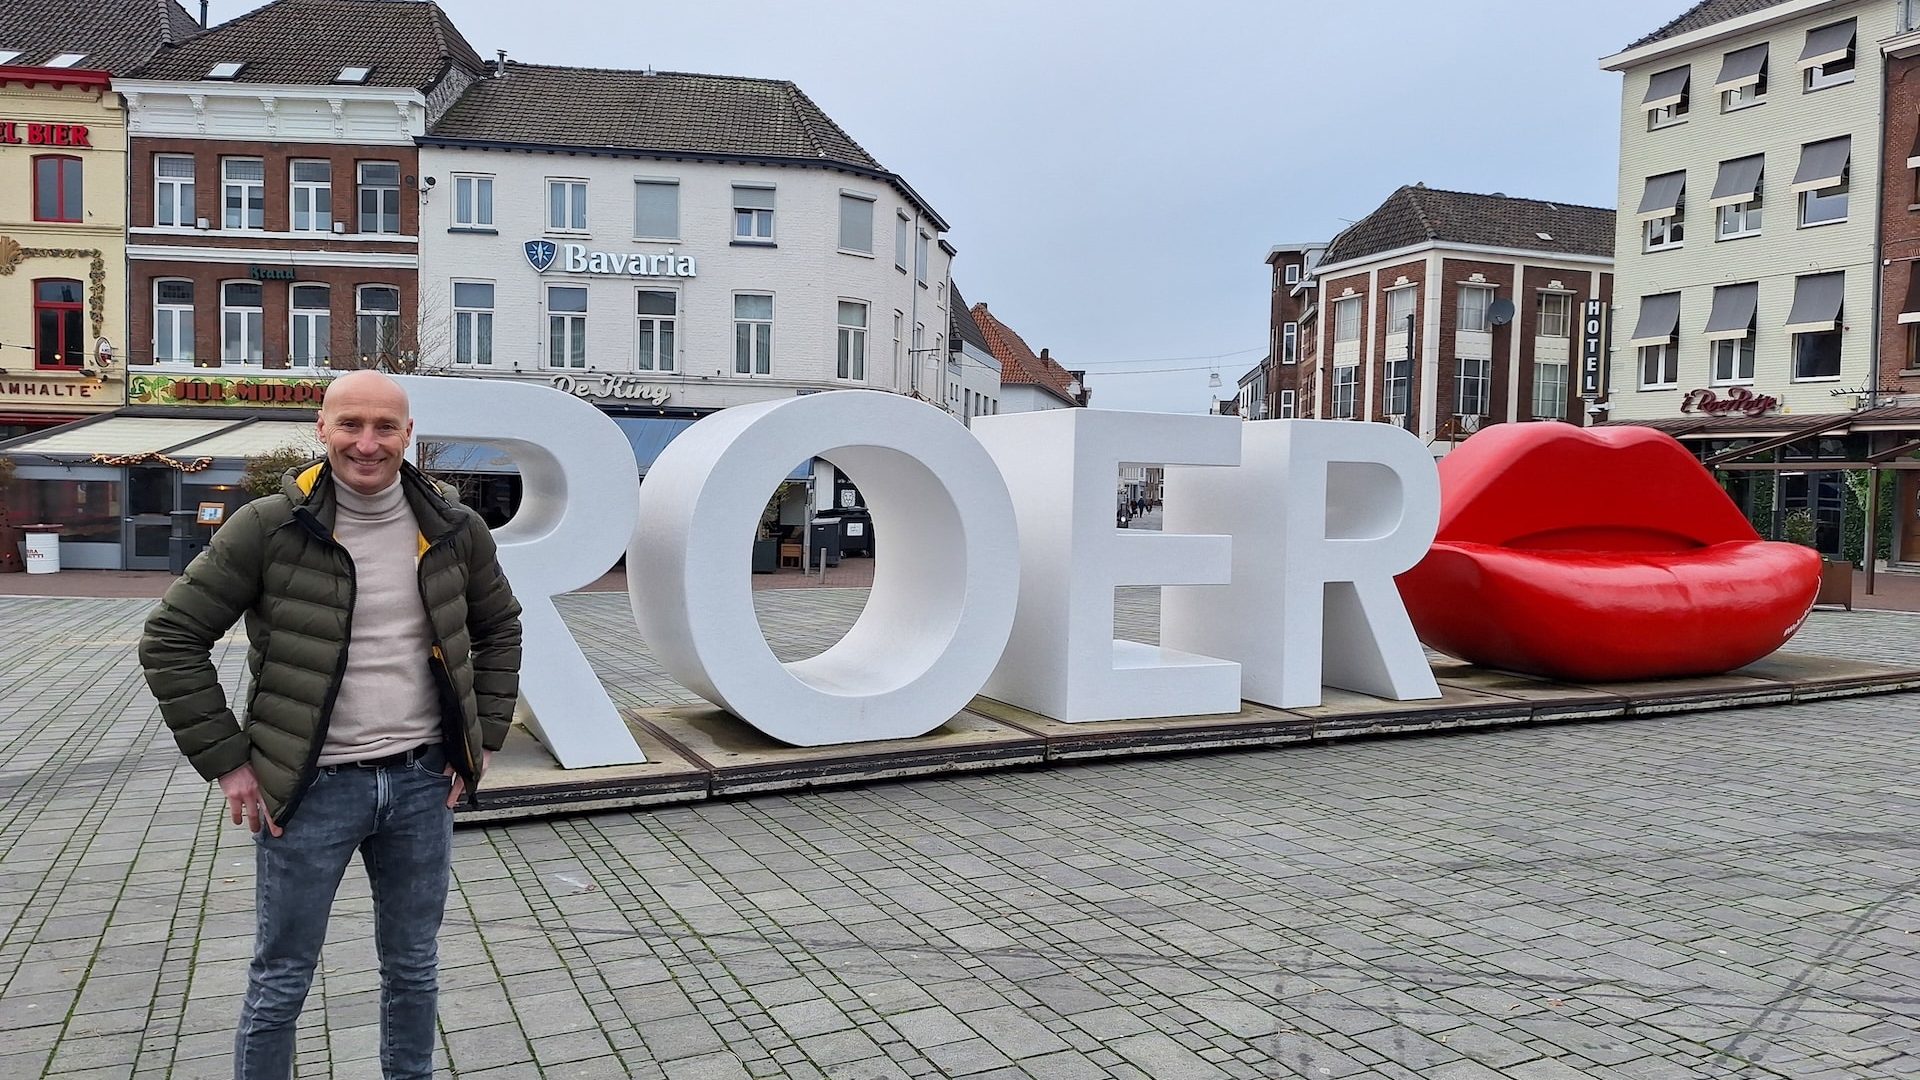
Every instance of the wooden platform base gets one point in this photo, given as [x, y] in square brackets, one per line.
[700, 752]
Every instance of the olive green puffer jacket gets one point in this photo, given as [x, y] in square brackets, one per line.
[276, 563]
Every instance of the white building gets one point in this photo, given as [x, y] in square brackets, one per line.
[973, 372]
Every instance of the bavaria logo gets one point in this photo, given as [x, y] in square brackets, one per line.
[540, 254]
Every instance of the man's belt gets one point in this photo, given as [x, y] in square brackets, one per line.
[400, 760]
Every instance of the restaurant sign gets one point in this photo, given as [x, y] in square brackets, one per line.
[248, 391]
[55, 390]
[1739, 401]
[613, 388]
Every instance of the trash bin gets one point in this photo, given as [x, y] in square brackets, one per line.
[40, 548]
[183, 541]
[856, 531]
[823, 538]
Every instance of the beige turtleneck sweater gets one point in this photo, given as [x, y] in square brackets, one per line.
[388, 701]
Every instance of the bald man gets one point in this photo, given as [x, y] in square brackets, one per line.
[384, 649]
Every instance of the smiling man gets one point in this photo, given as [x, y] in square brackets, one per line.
[384, 649]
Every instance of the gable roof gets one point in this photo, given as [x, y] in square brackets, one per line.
[1019, 366]
[1416, 214]
[115, 35]
[1704, 14]
[964, 326]
[404, 43]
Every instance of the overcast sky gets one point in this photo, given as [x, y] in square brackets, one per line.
[1115, 172]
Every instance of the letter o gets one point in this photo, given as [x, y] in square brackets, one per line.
[945, 577]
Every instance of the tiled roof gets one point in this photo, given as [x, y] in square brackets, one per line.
[1019, 366]
[639, 110]
[405, 43]
[116, 35]
[1416, 214]
[964, 327]
[1704, 14]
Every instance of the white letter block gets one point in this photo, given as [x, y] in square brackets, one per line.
[1063, 469]
[1323, 514]
[946, 566]
[579, 500]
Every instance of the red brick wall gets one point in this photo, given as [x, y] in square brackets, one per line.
[1899, 222]
[1334, 292]
[1416, 274]
[279, 209]
[276, 312]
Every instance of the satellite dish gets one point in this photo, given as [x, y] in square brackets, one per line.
[1500, 313]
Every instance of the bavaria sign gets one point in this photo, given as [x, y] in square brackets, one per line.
[544, 255]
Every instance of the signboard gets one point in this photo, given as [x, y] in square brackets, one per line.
[1593, 348]
[16, 133]
[272, 273]
[544, 255]
[613, 388]
[31, 388]
[1739, 400]
[248, 391]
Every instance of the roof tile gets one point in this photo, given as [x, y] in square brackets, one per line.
[406, 43]
[1019, 366]
[1705, 14]
[1415, 214]
[115, 35]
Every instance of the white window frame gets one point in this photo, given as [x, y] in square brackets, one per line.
[361, 313]
[1667, 356]
[566, 329]
[1550, 373]
[174, 316]
[920, 255]
[666, 183]
[1839, 73]
[757, 359]
[1730, 361]
[174, 193]
[317, 195]
[1665, 233]
[1824, 197]
[1554, 324]
[1406, 294]
[1475, 374]
[1346, 391]
[662, 330]
[1346, 319]
[252, 325]
[1794, 357]
[1287, 406]
[572, 207]
[311, 328]
[1398, 387]
[1290, 343]
[472, 186]
[1291, 275]
[1481, 322]
[252, 211]
[1667, 116]
[383, 194]
[1736, 220]
[469, 320]
[756, 224]
[851, 340]
[1744, 97]
[851, 200]
[902, 239]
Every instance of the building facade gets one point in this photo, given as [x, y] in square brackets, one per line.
[1446, 311]
[1029, 381]
[973, 370]
[1291, 266]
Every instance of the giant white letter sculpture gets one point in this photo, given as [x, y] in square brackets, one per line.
[1063, 469]
[946, 564]
[1323, 513]
[579, 500]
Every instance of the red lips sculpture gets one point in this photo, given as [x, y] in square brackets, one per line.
[1603, 555]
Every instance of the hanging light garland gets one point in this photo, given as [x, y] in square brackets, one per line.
[194, 466]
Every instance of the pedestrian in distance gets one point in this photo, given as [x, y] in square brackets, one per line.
[384, 655]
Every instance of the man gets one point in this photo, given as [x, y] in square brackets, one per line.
[384, 647]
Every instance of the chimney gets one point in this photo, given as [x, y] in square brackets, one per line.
[500, 65]
[1044, 357]
[203, 13]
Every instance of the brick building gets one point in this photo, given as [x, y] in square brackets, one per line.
[1897, 389]
[1443, 311]
[1292, 295]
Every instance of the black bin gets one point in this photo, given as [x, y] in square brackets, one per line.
[183, 541]
[823, 537]
[856, 530]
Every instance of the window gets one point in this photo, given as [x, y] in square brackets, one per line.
[899, 320]
[172, 321]
[56, 188]
[1292, 274]
[1743, 78]
[1817, 355]
[1346, 385]
[657, 312]
[1550, 390]
[856, 223]
[242, 326]
[1399, 383]
[59, 341]
[902, 232]
[1399, 309]
[226, 69]
[1828, 57]
[656, 209]
[1740, 219]
[1659, 366]
[173, 190]
[920, 258]
[1470, 387]
[1669, 94]
[752, 214]
[312, 326]
[379, 197]
[1346, 319]
[853, 341]
[1668, 231]
[377, 323]
[1475, 300]
[312, 186]
[353, 75]
[1913, 347]
[566, 326]
[1286, 404]
[566, 206]
[1743, 96]
[1290, 343]
[1824, 207]
[1556, 315]
[243, 192]
[1733, 360]
[752, 334]
[473, 202]
[1822, 180]
[472, 322]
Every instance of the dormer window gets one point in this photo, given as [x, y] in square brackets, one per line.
[7, 56]
[356, 75]
[226, 69]
[66, 59]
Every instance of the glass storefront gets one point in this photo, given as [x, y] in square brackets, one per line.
[88, 511]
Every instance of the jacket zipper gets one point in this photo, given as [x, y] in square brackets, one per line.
[437, 660]
[319, 743]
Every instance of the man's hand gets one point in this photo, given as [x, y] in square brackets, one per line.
[245, 800]
[460, 782]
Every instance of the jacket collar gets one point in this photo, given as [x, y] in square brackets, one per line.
[309, 487]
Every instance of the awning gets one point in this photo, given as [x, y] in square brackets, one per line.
[117, 435]
[1827, 44]
[1816, 303]
[1666, 89]
[1823, 164]
[1662, 195]
[1739, 180]
[1732, 314]
[1910, 311]
[1659, 320]
[256, 437]
[1742, 68]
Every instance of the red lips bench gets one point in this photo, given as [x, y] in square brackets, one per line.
[1599, 556]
